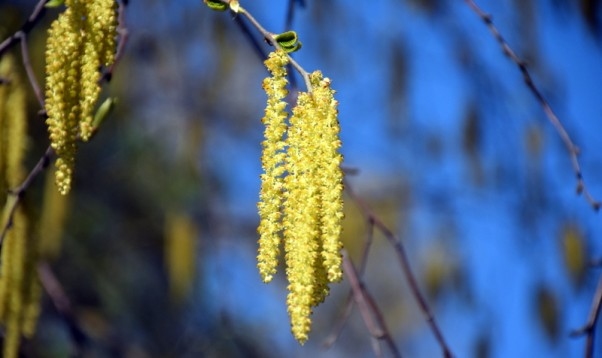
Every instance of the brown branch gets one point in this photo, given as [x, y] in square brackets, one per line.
[340, 324]
[406, 268]
[572, 149]
[27, 65]
[589, 330]
[15, 195]
[369, 311]
[33, 19]
[62, 304]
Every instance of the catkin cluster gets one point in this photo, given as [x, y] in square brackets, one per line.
[80, 41]
[301, 192]
[19, 286]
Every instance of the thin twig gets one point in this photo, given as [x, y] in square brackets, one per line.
[290, 15]
[272, 41]
[62, 304]
[369, 311]
[406, 268]
[590, 327]
[15, 195]
[572, 149]
[244, 28]
[340, 324]
[27, 65]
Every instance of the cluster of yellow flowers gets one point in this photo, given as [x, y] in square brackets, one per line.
[80, 41]
[19, 287]
[301, 192]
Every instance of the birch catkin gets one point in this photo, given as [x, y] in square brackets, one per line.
[301, 192]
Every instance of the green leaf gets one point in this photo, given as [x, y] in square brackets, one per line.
[103, 111]
[216, 5]
[288, 41]
[54, 3]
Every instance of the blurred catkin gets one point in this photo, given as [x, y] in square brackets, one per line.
[19, 286]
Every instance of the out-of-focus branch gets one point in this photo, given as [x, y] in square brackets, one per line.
[27, 65]
[404, 262]
[340, 324]
[369, 311]
[290, 13]
[15, 195]
[572, 149]
[62, 304]
[33, 19]
[589, 330]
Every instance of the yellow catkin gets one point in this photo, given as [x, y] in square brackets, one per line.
[5, 66]
[18, 250]
[99, 43]
[79, 42]
[301, 193]
[14, 130]
[272, 159]
[19, 297]
[21, 293]
[181, 235]
[63, 59]
[301, 220]
[329, 174]
[31, 311]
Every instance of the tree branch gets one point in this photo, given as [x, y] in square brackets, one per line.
[589, 330]
[62, 304]
[33, 19]
[340, 324]
[27, 65]
[15, 195]
[405, 266]
[369, 311]
[572, 149]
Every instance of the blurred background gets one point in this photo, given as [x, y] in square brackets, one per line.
[448, 146]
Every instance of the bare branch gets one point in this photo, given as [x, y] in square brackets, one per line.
[15, 195]
[27, 65]
[340, 324]
[33, 19]
[62, 304]
[369, 311]
[572, 149]
[405, 266]
[589, 330]
[290, 13]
